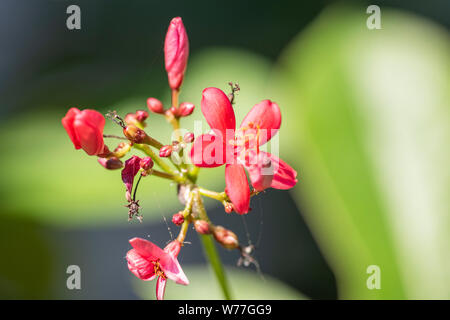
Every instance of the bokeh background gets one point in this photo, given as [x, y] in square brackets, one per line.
[365, 123]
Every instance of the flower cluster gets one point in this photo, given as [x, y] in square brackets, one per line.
[238, 149]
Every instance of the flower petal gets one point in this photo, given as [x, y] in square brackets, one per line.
[217, 109]
[67, 123]
[172, 269]
[140, 267]
[237, 187]
[260, 170]
[88, 126]
[160, 288]
[130, 170]
[148, 250]
[209, 151]
[266, 116]
[284, 176]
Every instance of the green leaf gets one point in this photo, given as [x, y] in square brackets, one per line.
[366, 123]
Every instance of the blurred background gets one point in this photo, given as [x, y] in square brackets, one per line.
[365, 123]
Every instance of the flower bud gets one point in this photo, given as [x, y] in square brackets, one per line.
[225, 237]
[141, 115]
[85, 129]
[165, 151]
[173, 248]
[121, 149]
[178, 218]
[146, 163]
[188, 137]
[176, 52]
[130, 119]
[154, 105]
[185, 109]
[110, 163]
[134, 134]
[228, 207]
[202, 227]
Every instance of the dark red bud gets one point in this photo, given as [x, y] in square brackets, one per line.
[154, 105]
[134, 134]
[178, 218]
[110, 163]
[202, 227]
[141, 115]
[165, 151]
[146, 163]
[186, 109]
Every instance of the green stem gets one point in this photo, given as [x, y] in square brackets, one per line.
[212, 194]
[214, 260]
[211, 250]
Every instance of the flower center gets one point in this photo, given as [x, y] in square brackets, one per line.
[246, 139]
[157, 268]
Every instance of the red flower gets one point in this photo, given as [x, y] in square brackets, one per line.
[147, 261]
[239, 149]
[85, 129]
[176, 52]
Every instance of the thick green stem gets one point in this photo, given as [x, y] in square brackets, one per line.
[216, 264]
[211, 250]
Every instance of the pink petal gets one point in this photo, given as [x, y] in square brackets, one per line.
[284, 177]
[67, 123]
[267, 116]
[160, 288]
[172, 270]
[260, 170]
[140, 267]
[130, 170]
[237, 187]
[148, 250]
[208, 151]
[176, 52]
[217, 109]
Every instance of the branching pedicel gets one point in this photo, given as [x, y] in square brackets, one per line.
[237, 149]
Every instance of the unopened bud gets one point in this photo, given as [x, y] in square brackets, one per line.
[186, 109]
[130, 118]
[173, 248]
[134, 134]
[165, 151]
[154, 105]
[202, 227]
[228, 206]
[188, 137]
[121, 149]
[225, 237]
[141, 115]
[110, 163]
[178, 218]
[146, 164]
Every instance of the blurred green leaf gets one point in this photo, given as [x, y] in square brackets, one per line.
[246, 285]
[366, 123]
